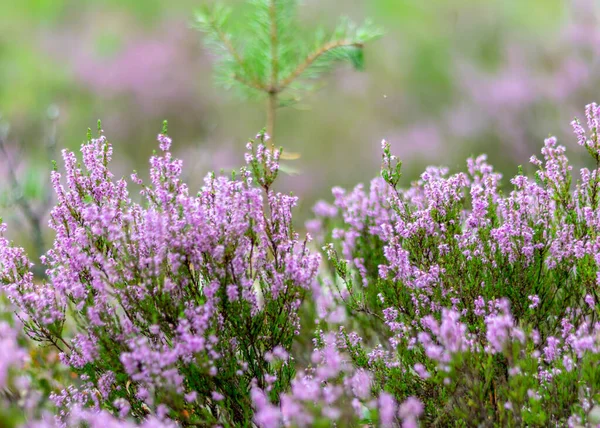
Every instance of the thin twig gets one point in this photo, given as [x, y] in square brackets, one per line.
[32, 216]
[14, 183]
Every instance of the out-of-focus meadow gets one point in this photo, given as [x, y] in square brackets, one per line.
[448, 79]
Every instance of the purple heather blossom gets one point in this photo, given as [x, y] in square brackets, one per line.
[387, 410]
[11, 354]
[151, 284]
[590, 301]
[422, 371]
[535, 301]
[410, 411]
[499, 328]
[267, 415]
[451, 276]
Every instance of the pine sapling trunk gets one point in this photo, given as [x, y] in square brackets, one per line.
[271, 116]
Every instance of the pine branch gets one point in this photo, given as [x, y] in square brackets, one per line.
[229, 46]
[212, 24]
[316, 55]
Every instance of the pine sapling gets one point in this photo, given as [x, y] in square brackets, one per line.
[270, 57]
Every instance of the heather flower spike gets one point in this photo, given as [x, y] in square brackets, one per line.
[446, 301]
[180, 296]
[472, 301]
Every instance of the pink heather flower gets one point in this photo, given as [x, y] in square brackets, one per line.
[266, 414]
[479, 307]
[151, 277]
[11, 354]
[331, 413]
[551, 350]
[358, 408]
[323, 209]
[191, 396]
[387, 409]
[535, 300]
[422, 371]
[590, 301]
[165, 142]
[452, 332]
[337, 316]
[410, 411]
[227, 256]
[498, 330]
[162, 411]
[280, 353]
[232, 292]
[314, 227]
[361, 384]
[123, 406]
[567, 363]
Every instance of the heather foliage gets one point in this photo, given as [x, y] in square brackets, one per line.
[170, 306]
[481, 304]
[447, 302]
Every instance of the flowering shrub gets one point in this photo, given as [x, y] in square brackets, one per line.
[481, 304]
[26, 378]
[333, 391]
[166, 307]
[447, 302]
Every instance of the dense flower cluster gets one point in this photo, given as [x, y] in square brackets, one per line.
[451, 300]
[333, 391]
[484, 305]
[175, 301]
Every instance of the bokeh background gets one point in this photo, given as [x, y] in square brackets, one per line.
[450, 78]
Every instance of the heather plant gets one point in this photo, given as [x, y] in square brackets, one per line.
[482, 305]
[269, 56]
[12, 359]
[27, 374]
[332, 391]
[168, 308]
[450, 302]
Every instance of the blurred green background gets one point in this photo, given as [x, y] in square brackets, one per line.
[450, 78]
